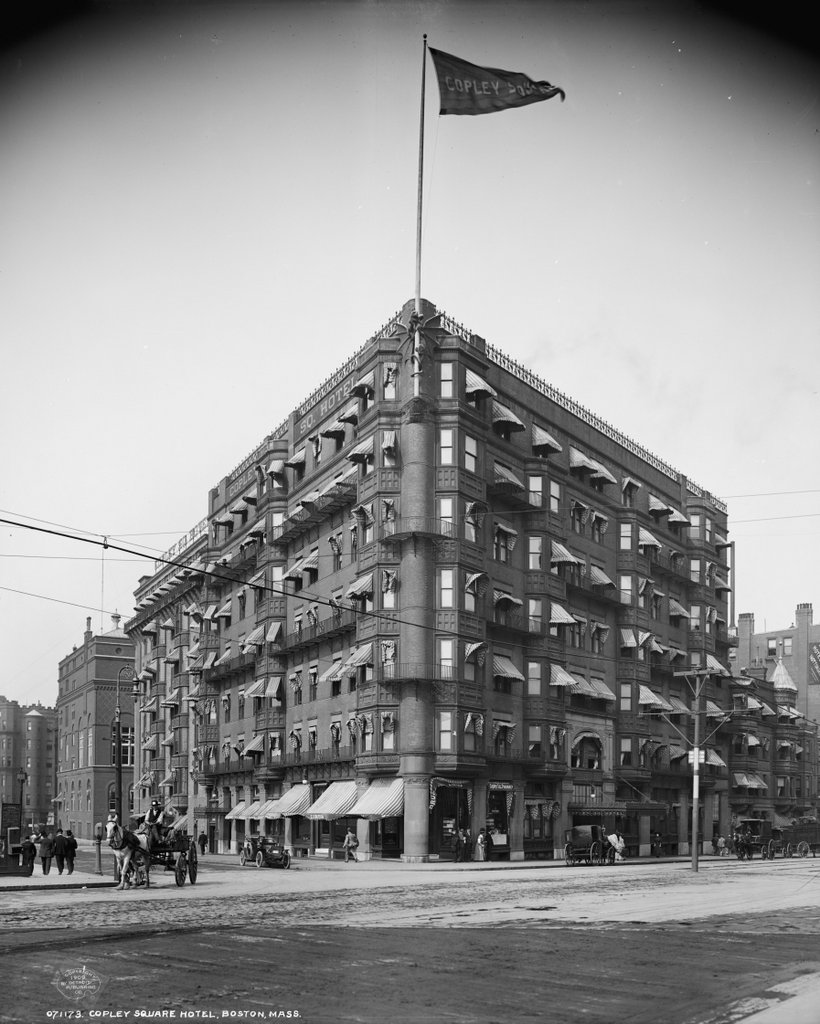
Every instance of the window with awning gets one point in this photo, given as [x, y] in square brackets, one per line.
[506, 417]
[476, 386]
[225, 658]
[715, 666]
[601, 689]
[274, 688]
[334, 429]
[363, 452]
[657, 506]
[598, 471]
[210, 660]
[476, 652]
[256, 689]
[676, 610]
[510, 534]
[365, 387]
[560, 616]
[172, 700]
[274, 632]
[298, 459]
[647, 540]
[225, 611]
[560, 677]
[276, 468]
[543, 442]
[504, 475]
[598, 578]
[256, 746]
[236, 811]
[362, 655]
[477, 583]
[559, 553]
[501, 597]
[361, 587]
[714, 711]
[350, 415]
[503, 668]
[295, 570]
[577, 459]
[239, 508]
[648, 698]
[256, 637]
[389, 442]
[333, 673]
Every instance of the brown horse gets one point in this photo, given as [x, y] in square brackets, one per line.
[126, 845]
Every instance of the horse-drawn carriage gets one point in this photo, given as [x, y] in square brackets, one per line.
[264, 851]
[758, 835]
[135, 854]
[587, 844]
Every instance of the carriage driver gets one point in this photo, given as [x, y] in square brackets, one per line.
[153, 820]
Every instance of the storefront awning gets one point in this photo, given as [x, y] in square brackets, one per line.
[383, 798]
[236, 812]
[295, 802]
[335, 802]
[252, 810]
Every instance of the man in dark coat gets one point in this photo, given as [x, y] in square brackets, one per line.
[60, 850]
[29, 852]
[46, 851]
[71, 851]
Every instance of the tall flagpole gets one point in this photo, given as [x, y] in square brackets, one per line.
[421, 179]
[416, 359]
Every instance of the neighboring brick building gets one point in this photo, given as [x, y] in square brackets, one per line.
[28, 744]
[88, 682]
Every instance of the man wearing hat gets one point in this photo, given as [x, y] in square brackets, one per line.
[153, 820]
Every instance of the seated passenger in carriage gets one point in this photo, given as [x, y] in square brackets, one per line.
[154, 822]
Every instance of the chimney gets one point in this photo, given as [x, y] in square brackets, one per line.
[88, 632]
[115, 618]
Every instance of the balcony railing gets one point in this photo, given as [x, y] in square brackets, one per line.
[429, 526]
[340, 622]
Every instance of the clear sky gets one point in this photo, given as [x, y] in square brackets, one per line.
[206, 207]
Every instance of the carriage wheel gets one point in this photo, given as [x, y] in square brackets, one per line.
[802, 849]
[285, 859]
[181, 869]
[193, 863]
[568, 858]
[242, 858]
[596, 854]
[260, 859]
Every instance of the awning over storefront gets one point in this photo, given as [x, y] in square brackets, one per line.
[263, 810]
[252, 810]
[236, 812]
[335, 802]
[295, 802]
[383, 798]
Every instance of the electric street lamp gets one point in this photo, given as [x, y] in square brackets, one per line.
[22, 778]
[126, 672]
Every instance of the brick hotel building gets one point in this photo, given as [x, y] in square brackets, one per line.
[434, 602]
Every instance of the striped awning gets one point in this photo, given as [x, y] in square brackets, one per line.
[647, 540]
[298, 458]
[601, 689]
[252, 810]
[172, 700]
[558, 553]
[274, 632]
[648, 698]
[362, 452]
[333, 673]
[598, 578]
[362, 587]
[560, 677]
[335, 802]
[295, 571]
[296, 801]
[274, 687]
[256, 636]
[676, 609]
[504, 475]
[383, 798]
[501, 414]
[225, 611]
[236, 811]
[502, 597]
[714, 711]
[715, 666]
[505, 669]
[560, 616]
[543, 440]
[256, 745]
[362, 655]
[714, 759]
[678, 706]
[256, 689]
[263, 810]
[475, 385]
[334, 429]
[350, 415]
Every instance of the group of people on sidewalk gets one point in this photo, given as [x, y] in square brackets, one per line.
[61, 848]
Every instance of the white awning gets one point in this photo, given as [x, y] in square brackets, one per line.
[274, 632]
[236, 812]
[333, 673]
[383, 798]
[335, 802]
[334, 429]
[295, 802]
[274, 687]
[276, 468]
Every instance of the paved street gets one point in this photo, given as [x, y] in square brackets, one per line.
[642, 941]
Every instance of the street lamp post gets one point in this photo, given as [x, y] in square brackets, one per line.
[22, 778]
[126, 672]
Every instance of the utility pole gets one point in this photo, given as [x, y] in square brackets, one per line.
[700, 677]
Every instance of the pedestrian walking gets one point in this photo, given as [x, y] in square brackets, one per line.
[459, 847]
[722, 851]
[71, 851]
[468, 845]
[28, 850]
[203, 842]
[488, 844]
[46, 851]
[60, 850]
[350, 845]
